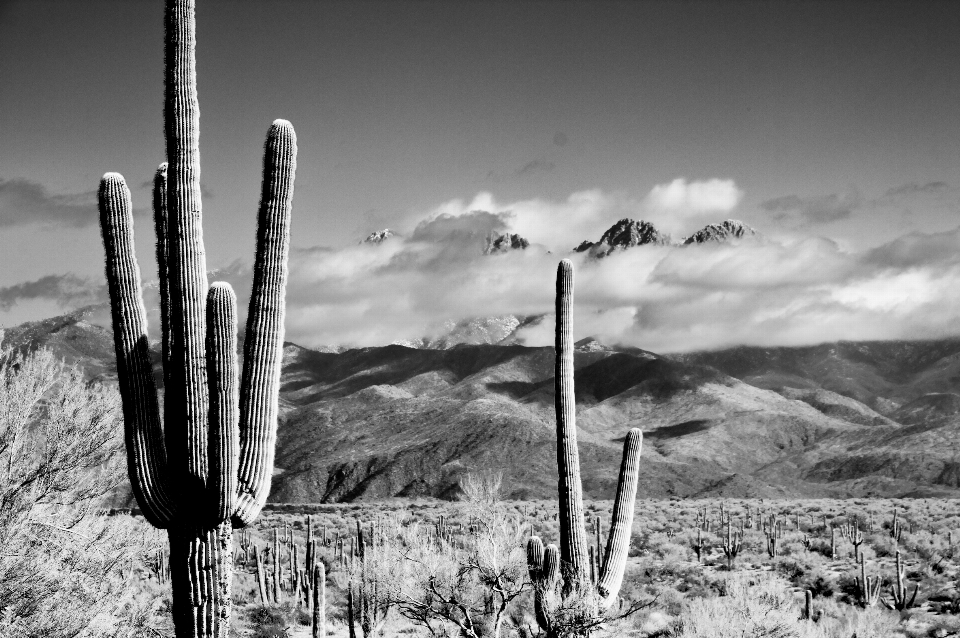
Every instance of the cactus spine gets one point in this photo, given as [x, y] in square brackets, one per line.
[214, 447]
[545, 563]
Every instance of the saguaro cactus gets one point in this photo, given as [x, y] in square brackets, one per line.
[573, 535]
[573, 532]
[205, 468]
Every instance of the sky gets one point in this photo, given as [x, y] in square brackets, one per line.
[829, 127]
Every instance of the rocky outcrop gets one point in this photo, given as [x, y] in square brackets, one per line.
[504, 242]
[626, 233]
[378, 237]
[725, 231]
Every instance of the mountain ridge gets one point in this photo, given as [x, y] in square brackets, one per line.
[844, 419]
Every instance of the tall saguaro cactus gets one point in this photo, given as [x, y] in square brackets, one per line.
[205, 467]
[573, 531]
[573, 535]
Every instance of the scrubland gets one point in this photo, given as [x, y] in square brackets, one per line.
[430, 565]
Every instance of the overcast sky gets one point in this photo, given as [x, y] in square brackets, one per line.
[830, 127]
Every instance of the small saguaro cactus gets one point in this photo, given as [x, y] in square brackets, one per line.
[572, 569]
[900, 599]
[204, 468]
[868, 587]
[731, 545]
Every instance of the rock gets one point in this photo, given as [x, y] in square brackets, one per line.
[725, 231]
[378, 237]
[504, 242]
[626, 233]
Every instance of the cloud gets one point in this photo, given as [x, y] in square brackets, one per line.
[25, 202]
[813, 210]
[915, 188]
[682, 207]
[696, 197]
[916, 250]
[557, 225]
[662, 298]
[66, 290]
[560, 138]
[535, 166]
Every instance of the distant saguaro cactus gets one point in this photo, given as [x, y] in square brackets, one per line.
[204, 468]
[573, 553]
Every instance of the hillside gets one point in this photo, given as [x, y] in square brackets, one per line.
[838, 419]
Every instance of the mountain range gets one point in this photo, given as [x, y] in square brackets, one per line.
[840, 419]
[625, 233]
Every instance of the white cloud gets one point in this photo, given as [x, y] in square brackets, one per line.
[695, 197]
[659, 298]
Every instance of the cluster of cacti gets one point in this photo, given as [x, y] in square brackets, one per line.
[205, 467]
[564, 573]
[731, 544]
[367, 605]
[900, 598]
[868, 587]
[306, 583]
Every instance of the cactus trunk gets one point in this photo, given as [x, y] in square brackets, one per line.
[573, 533]
[200, 579]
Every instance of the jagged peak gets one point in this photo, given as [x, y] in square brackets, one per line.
[379, 236]
[504, 242]
[626, 233]
[724, 231]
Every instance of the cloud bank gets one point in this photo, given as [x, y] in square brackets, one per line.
[668, 299]
[65, 290]
[758, 291]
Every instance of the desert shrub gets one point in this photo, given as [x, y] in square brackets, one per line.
[64, 571]
[760, 606]
[267, 621]
[873, 622]
[473, 582]
[818, 582]
[481, 488]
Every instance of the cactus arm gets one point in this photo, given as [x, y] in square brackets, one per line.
[161, 221]
[535, 558]
[573, 535]
[146, 455]
[618, 541]
[224, 443]
[263, 345]
[545, 588]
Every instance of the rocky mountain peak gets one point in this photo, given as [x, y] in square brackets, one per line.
[626, 233]
[724, 231]
[378, 237]
[504, 242]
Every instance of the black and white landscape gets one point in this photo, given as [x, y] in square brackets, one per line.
[528, 319]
